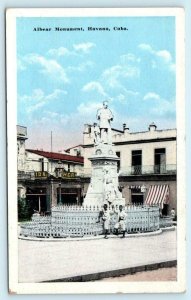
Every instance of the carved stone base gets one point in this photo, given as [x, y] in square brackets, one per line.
[104, 183]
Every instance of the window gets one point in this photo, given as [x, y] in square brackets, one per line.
[160, 161]
[119, 161]
[89, 129]
[136, 168]
[77, 152]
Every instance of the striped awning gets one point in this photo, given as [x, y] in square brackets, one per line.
[158, 195]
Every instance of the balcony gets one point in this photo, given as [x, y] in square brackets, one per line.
[138, 170]
[85, 173]
[25, 175]
[129, 171]
[148, 170]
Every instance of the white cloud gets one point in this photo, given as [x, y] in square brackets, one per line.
[48, 66]
[35, 107]
[61, 51]
[94, 86]
[56, 94]
[126, 95]
[84, 47]
[38, 95]
[151, 96]
[146, 47]
[165, 108]
[39, 99]
[81, 67]
[114, 74]
[132, 93]
[160, 106]
[161, 57]
[129, 58]
[88, 109]
[165, 55]
[52, 114]
[127, 68]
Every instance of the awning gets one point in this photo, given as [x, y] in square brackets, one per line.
[158, 195]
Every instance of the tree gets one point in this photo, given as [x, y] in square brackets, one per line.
[24, 210]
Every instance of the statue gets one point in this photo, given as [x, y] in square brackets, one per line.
[97, 137]
[104, 185]
[110, 191]
[104, 115]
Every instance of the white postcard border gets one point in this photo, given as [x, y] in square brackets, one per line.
[91, 287]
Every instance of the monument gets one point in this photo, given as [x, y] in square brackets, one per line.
[104, 184]
[78, 221]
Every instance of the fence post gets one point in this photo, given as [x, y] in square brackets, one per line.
[148, 218]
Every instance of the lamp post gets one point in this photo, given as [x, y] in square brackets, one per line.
[51, 192]
[39, 202]
[60, 196]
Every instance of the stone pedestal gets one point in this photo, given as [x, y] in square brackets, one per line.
[104, 182]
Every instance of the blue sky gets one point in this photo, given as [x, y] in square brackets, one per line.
[63, 77]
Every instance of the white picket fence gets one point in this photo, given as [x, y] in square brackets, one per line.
[76, 221]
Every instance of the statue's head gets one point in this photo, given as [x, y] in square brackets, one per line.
[105, 104]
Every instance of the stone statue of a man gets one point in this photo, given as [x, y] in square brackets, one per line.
[105, 116]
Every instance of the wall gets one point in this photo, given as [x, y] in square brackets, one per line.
[126, 192]
[148, 150]
[33, 163]
[21, 155]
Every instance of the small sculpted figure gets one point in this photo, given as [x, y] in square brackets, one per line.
[109, 189]
[97, 136]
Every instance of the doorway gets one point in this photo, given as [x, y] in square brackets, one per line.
[137, 199]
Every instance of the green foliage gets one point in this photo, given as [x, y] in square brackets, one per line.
[24, 210]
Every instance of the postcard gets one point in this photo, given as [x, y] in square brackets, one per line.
[96, 150]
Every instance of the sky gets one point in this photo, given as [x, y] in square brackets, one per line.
[64, 76]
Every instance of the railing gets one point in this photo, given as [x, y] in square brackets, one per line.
[31, 175]
[166, 222]
[147, 170]
[71, 221]
[25, 175]
[138, 170]
[133, 170]
[86, 172]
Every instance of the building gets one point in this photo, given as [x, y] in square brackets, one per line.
[147, 165]
[47, 178]
[147, 169]
[77, 150]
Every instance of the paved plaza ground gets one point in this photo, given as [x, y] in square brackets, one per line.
[164, 274]
[45, 261]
